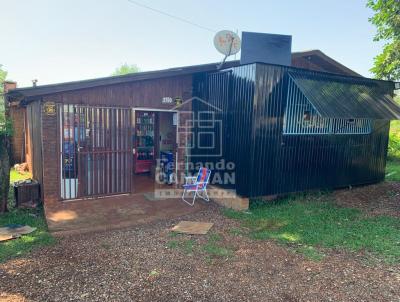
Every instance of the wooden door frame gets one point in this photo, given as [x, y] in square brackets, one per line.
[157, 110]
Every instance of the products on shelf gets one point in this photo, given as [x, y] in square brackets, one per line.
[144, 141]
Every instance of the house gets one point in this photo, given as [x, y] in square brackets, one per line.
[313, 125]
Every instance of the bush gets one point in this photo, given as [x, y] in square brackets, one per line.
[394, 141]
[394, 146]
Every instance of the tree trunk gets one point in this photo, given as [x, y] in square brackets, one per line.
[4, 172]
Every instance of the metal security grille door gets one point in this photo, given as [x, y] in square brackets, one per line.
[95, 151]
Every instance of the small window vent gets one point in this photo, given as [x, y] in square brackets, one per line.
[302, 119]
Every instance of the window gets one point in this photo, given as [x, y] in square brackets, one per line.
[301, 118]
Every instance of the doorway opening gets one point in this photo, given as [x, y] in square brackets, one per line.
[107, 151]
[155, 150]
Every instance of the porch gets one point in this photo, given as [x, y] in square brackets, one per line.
[116, 212]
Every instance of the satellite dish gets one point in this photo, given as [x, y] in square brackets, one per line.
[227, 42]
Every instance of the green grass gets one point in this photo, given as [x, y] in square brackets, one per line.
[32, 217]
[393, 162]
[393, 170]
[173, 244]
[310, 252]
[394, 141]
[187, 245]
[310, 223]
[212, 248]
[23, 245]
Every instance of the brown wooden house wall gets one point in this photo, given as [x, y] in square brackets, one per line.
[34, 140]
[43, 129]
[147, 94]
[17, 116]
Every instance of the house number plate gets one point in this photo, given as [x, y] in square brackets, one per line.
[49, 108]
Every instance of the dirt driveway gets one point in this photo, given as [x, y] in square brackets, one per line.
[146, 264]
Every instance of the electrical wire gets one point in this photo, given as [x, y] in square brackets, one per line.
[172, 16]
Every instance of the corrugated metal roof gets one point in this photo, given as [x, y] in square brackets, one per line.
[30, 93]
[343, 97]
[139, 76]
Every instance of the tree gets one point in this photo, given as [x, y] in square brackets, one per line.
[3, 75]
[126, 69]
[5, 133]
[387, 21]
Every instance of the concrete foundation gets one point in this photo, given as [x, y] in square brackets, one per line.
[228, 198]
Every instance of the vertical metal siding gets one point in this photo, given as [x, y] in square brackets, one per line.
[294, 123]
[365, 98]
[297, 162]
[232, 91]
[239, 129]
[253, 99]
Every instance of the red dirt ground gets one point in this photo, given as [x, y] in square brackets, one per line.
[140, 264]
[378, 199]
[110, 213]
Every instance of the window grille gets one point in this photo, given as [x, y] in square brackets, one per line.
[301, 118]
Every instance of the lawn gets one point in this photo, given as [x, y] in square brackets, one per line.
[393, 163]
[32, 217]
[393, 170]
[212, 246]
[310, 224]
[20, 246]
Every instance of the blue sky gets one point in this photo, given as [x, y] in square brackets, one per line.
[64, 40]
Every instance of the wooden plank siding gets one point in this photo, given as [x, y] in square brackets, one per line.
[141, 94]
[34, 140]
[17, 116]
[147, 93]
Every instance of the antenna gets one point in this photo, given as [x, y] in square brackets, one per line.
[228, 43]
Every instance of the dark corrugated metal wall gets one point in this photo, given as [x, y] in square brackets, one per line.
[268, 162]
[288, 163]
[239, 129]
[231, 91]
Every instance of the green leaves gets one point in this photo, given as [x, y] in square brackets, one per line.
[5, 125]
[126, 69]
[386, 18]
[387, 21]
[387, 64]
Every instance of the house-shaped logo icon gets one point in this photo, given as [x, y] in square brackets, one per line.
[199, 127]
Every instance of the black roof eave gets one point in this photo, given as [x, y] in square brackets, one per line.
[29, 94]
[32, 93]
[344, 97]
